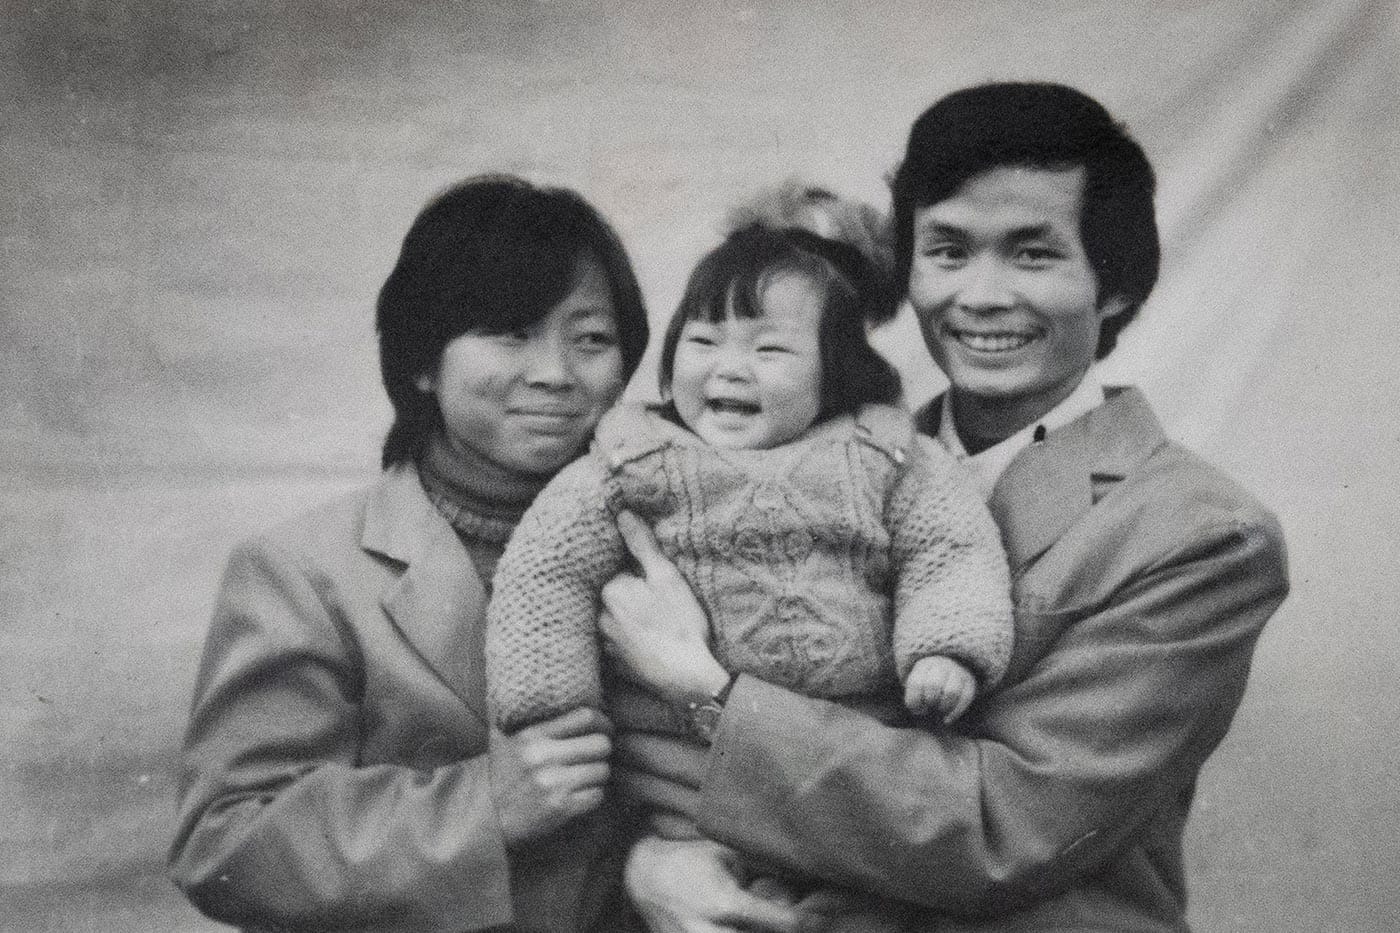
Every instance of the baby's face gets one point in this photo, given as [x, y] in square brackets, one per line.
[753, 383]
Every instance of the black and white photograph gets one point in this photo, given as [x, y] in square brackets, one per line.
[718, 467]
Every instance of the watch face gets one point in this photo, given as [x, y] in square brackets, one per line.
[704, 720]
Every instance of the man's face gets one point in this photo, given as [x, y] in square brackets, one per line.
[1004, 292]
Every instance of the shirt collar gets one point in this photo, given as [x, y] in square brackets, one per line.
[986, 467]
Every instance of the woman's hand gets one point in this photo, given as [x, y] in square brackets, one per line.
[697, 886]
[547, 774]
[654, 629]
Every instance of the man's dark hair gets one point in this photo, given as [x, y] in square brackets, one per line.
[730, 281]
[1045, 126]
[489, 255]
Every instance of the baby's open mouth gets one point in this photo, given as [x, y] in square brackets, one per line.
[732, 406]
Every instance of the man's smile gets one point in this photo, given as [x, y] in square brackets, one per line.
[991, 341]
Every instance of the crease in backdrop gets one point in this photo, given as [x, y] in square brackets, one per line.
[199, 203]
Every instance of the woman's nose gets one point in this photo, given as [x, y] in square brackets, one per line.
[549, 364]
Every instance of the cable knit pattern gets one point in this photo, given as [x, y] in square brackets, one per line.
[792, 552]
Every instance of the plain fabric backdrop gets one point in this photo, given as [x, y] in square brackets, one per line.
[198, 203]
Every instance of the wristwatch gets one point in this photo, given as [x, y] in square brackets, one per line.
[703, 716]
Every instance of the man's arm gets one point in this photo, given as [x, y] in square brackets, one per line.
[1056, 771]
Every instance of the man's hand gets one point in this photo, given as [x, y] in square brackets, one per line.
[696, 886]
[938, 684]
[547, 774]
[654, 629]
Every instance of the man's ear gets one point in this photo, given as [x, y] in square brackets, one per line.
[1112, 306]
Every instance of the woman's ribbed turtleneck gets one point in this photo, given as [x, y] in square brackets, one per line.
[481, 501]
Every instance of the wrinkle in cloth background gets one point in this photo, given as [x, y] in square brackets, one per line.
[198, 203]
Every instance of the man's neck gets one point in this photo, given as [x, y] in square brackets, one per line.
[984, 421]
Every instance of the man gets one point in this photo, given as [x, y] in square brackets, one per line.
[1142, 577]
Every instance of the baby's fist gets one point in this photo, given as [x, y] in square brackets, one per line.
[938, 684]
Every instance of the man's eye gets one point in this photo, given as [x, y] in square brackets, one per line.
[513, 337]
[1037, 255]
[945, 252]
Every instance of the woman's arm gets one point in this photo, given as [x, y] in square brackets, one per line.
[283, 825]
[1065, 764]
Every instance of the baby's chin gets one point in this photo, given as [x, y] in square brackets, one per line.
[730, 436]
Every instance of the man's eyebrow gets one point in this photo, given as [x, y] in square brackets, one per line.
[939, 229]
[1032, 232]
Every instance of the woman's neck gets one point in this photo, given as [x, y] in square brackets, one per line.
[475, 484]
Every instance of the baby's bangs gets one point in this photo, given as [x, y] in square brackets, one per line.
[741, 294]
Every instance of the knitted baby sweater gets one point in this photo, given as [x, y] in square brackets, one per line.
[795, 553]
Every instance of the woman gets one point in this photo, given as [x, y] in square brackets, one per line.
[338, 769]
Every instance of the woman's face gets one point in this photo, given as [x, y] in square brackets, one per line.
[525, 403]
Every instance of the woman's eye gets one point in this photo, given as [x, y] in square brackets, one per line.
[772, 348]
[700, 340]
[598, 339]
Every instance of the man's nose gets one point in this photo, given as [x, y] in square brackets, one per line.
[985, 286]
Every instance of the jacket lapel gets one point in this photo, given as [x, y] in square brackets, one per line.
[1044, 490]
[1052, 484]
[438, 604]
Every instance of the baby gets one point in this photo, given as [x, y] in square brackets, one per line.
[833, 549]
[836, 552]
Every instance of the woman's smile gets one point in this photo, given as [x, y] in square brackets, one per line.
[548, 419]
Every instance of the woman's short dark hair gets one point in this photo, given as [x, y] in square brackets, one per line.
[730, 281]
[1046, 126]
[489, 255]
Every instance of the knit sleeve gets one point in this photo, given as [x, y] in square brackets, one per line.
[541, 634]
[952, 584]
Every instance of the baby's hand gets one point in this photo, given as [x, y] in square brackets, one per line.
[938, 684]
